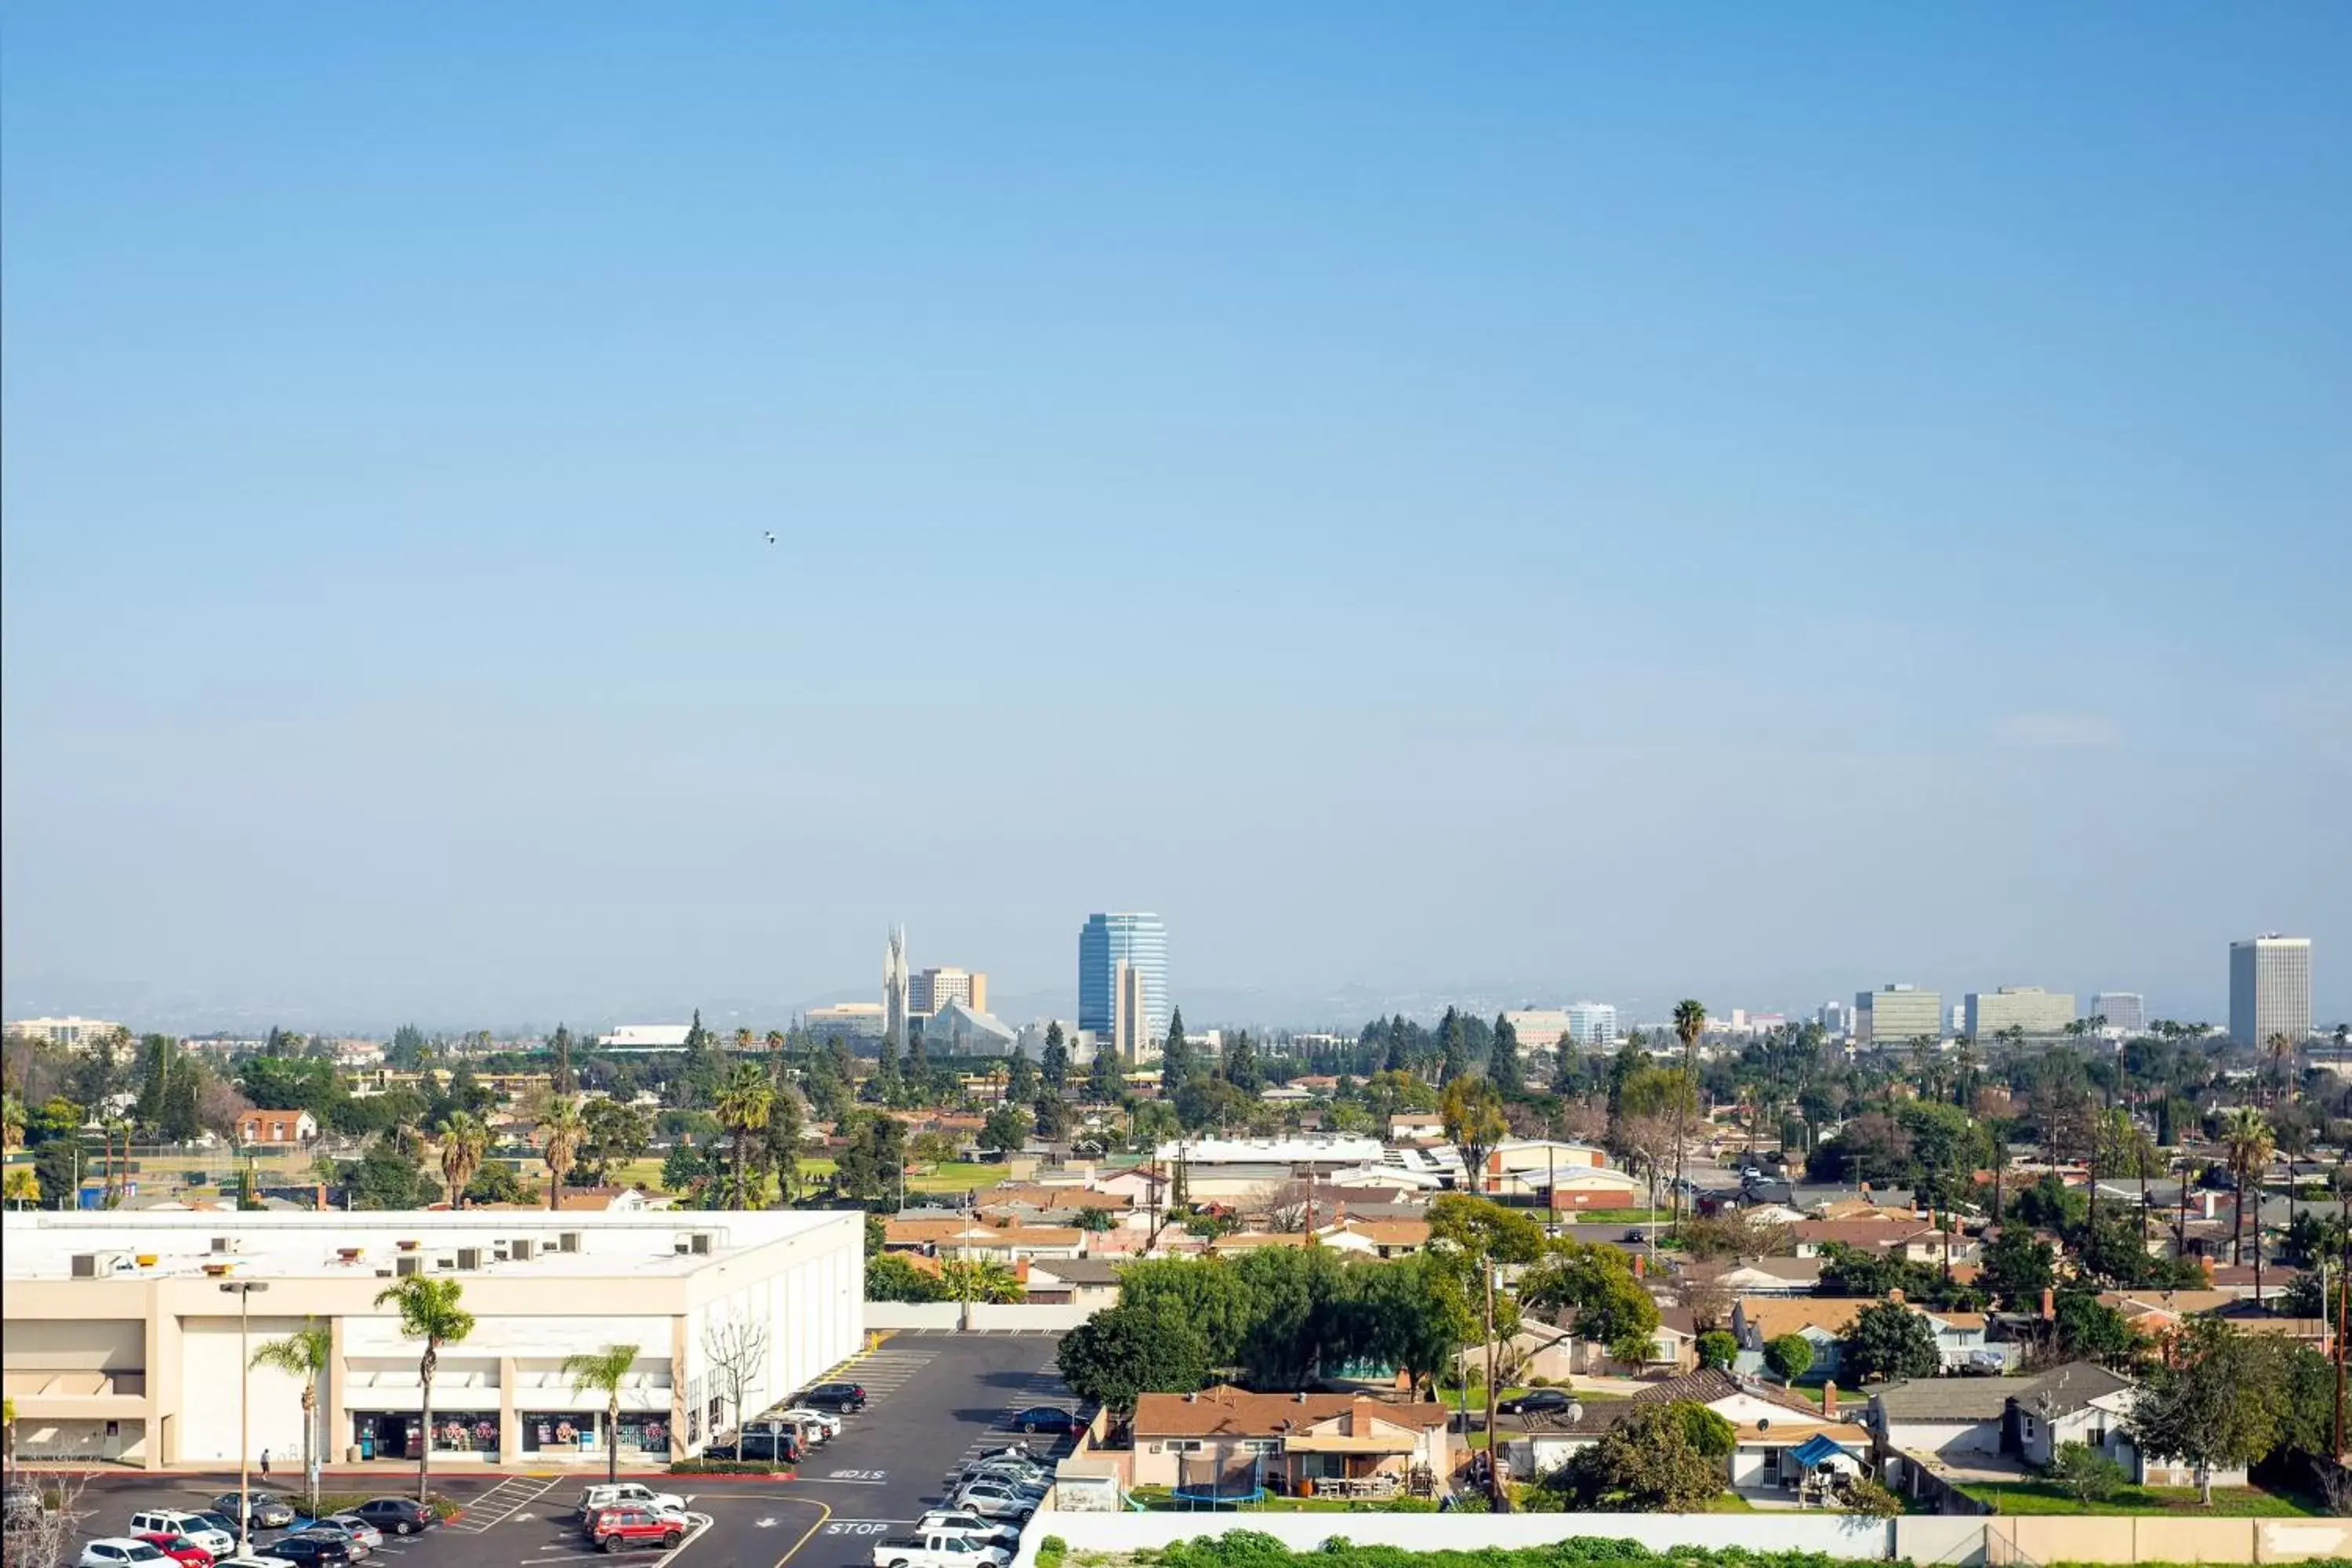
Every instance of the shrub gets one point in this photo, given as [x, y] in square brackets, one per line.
[1865, 1496]
[1050, 1551]
[1791, 1356]
[1717, 1347]
[726, 1468]
[2090, 1474]
[1538, 1381]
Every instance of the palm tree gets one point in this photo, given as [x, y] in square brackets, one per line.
[604, 1370]
[464, 1143]
[561, 1129]
[2247, 1147]
[743, 1039]
[304, 1354]
[429, 1311]
[1966, 1060]
[971, 1280]
[12, 1122]
[1690, 1022]
[775, 1042]
[7, 1443]
[2280, 1048]
[744, 1104]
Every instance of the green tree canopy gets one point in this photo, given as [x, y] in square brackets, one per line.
[1889, 1340]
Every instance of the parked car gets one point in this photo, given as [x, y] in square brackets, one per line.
[220, 1540]
[1029, 1478]
[963, 1521]
[362, 1535]
[113, 1551]
[625, 1525]
[937, 1549]
[1011, 1454]
[259, 1560]
[846, 1397]
[267, 1511]
[213, 1518]
[629, 1494]
[326, 1548]
[1535, 1401]
[178, 1548]
[996, 1500]
[817, 1425]
[22, 1504]
[396, 1515]
[761, 1444]
[1047, 1419]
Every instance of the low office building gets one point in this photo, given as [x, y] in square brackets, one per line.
[848, 1021]
[74, 1034]
[1895, 1015]
[2027, 1008]
[123, 1341]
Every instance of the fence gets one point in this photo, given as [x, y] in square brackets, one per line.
[1921, 1538]
[987, 1316]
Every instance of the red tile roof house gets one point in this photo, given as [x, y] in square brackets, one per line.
[276, 1127]
[1298, 1441]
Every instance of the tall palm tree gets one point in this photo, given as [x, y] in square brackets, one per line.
[745, 1103]
[429, 1311]
[1966, 1061]
[12, 1122]
[2280, 1048]
[304, 1354]
[775, 1043]
[1690, 1022]
[465, 1142]
[2247, 1147]
[743, 1039]
[605, 1372]
[561, 1129]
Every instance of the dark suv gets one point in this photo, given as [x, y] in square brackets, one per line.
[848, 1397]
[396, 1515]
[313, 1551]
[760, 1444]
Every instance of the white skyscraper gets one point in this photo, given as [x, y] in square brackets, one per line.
[2270, 988]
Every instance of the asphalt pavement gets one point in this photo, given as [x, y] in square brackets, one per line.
[935, 1400]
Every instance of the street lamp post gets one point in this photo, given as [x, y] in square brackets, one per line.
[242, 1291]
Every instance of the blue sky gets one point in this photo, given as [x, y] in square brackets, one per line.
[1616, 500]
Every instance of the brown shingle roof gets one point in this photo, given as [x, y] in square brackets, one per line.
[1228, 1412]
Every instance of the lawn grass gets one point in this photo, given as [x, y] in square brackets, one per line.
[950, 1176]
[2228, 1502]
[1617, 1216]
[1159, 1500]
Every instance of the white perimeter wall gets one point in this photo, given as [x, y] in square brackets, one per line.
[1840, 1535]
[814, 1311]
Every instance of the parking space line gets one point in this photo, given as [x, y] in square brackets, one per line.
[805, 1538]
[532, 1490]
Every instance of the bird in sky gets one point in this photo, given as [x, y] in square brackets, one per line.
[771, 538]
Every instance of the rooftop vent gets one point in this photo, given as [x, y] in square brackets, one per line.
[567, 1241]
[469, 1258]
[522, 1249]
[409, 1263]
[699, 1243]
[223, 1244]
[98, 1265]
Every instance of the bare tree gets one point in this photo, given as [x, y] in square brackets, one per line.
[50, 1538]
[1285, 1205]
[736, 1350]
[1707, 1300]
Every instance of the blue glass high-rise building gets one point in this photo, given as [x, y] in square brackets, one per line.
[1142, 942]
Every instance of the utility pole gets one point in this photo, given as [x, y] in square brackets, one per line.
[1500, 1499]
[242, 1291]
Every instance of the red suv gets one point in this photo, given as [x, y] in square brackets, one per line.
[625, 1525]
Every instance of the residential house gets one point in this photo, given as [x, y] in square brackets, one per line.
[1962, 1338]
[1416, 1124]
[265, 1127]
[1957, 1419]
[1769, 1277]
[1770, 1426]
[2084, 1402]
[1294, 1441]
[2159, 1314]
[1089, 1282]
[1545, 1349]
[1376, 1237]
[1810, 1236]
[1137, 1185]
[1596, 1187]
[1526, 1166]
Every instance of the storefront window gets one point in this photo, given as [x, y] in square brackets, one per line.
[557, 1431]
[466, 1432]
[646, 1434]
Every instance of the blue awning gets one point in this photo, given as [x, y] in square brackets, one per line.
[1814, 1449]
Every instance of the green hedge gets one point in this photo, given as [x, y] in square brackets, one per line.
[1254, 1549]
[726, 1467]
[1050, 1552]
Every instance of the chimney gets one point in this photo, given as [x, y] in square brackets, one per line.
[1829, 1397]
[2207, 1264]
[2048, 1305]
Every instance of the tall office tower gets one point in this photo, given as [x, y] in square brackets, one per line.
[1106, 939]
[895, 989]
[1592, 1022]
[1130, 1009]
[935, 988]
[2026, 1007]
[1834, 1017]
[2124, 1010]
[2270, 988]
[1894, 1013]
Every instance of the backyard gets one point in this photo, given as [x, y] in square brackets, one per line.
[2228, 1502]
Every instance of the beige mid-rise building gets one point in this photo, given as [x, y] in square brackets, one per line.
[1894, 1013]
[2026, 1007]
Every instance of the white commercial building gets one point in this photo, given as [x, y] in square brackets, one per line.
[1592, 1022]
[1538, 1028]
[646, 1038]
[2026, 1007]
[71, 1033]
[121, 1340]
[2270, 989]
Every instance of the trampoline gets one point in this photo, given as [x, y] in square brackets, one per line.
[1210, 1483]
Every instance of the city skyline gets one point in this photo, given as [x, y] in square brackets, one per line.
[1573, 507]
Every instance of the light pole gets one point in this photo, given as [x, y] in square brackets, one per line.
[242, 1291]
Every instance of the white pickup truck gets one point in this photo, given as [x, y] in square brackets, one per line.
[938, 1549]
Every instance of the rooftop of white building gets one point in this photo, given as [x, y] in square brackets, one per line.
[1320, 1149]
[333, 1245]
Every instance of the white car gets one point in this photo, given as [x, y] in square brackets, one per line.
[114, 1550]
[352, 1525]
[629, 1494]
[256, 1562]
[824, 1427]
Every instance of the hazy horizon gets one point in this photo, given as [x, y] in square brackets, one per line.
[1635, 502]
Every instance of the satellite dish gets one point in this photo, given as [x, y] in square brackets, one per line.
[1575, 1410]
[1764, 1424]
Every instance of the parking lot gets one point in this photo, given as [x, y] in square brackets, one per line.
[935, 1400]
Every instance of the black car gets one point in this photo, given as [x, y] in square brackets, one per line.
[396, 1515]
[1535, 1401]
[846, 1397]
[757, 1446]
[1046, 1418]
[269, 1510]
[306, 1550]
